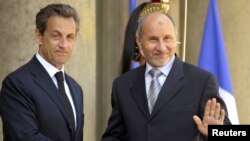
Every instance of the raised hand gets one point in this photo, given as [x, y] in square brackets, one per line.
[213, 115]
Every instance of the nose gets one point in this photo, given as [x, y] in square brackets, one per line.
[161, 45]
[63, 42]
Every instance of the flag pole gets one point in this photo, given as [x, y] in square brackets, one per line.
[184, 32]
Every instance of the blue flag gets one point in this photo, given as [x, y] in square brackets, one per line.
[213, 58]
[132, 5]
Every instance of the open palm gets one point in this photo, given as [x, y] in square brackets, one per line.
[213, 115]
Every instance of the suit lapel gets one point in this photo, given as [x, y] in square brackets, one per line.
[171, 86]
[138, 91]
[76, 96]
[43, 80]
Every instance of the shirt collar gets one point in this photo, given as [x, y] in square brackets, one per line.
[48, 67]
[164, 69]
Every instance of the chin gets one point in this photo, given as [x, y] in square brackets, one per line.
[158, 63]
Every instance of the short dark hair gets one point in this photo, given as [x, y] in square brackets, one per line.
[130, 49]
[56, 9]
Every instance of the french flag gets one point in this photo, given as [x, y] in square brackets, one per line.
[213, 59]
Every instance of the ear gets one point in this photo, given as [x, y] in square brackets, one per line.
[38, 37]
[138, 41]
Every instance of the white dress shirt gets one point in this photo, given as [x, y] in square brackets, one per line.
[52, 71]
[165, 71]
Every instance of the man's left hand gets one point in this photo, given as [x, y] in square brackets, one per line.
[213, 115]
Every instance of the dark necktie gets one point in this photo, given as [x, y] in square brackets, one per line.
[67, 105]
[154, 88]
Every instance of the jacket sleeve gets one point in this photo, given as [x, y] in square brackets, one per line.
[211, 90]
[115, 130]
[18, 113]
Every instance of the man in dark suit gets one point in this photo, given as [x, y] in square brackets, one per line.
[34, 104]
[177, 104]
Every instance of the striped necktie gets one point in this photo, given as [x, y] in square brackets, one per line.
[154, 89]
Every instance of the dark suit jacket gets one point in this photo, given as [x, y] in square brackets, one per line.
[31, 109]
[184, 94]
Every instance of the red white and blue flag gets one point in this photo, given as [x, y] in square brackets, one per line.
[213, 58]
